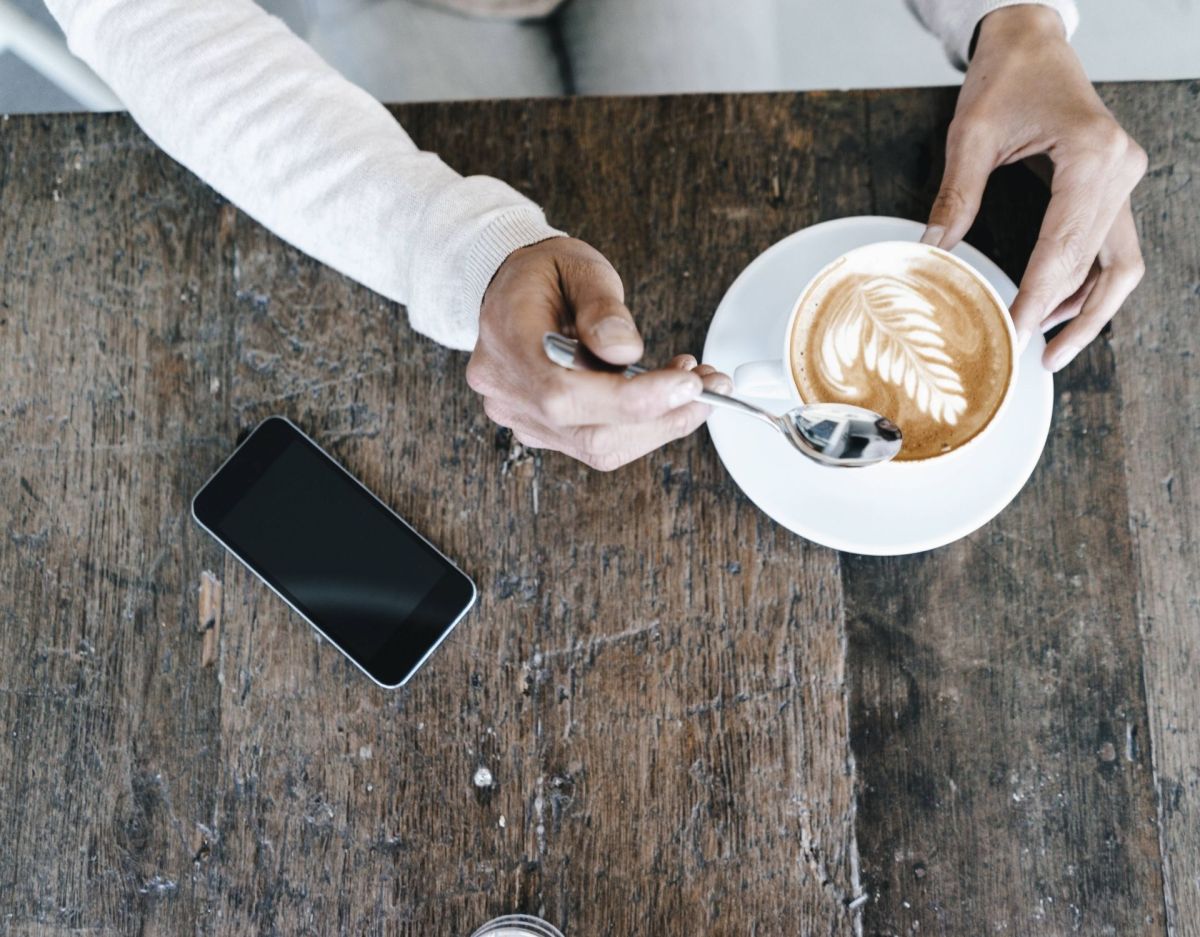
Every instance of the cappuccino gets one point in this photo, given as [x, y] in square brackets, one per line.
[911, 332]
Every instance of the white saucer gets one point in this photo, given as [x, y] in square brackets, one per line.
[862, 511]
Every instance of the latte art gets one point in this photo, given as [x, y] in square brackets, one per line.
[911, 333]
[887, 323]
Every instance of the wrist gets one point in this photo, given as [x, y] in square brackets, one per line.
[504, 239]
[1020, 26]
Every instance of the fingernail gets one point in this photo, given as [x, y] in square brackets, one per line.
[1023, 337]
[684, 392]
[615, 330]
[933, 235]
[1061, 358]
[724, 386]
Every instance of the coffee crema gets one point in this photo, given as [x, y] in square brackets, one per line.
[910, 332]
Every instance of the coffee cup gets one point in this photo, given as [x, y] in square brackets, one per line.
[907, 330]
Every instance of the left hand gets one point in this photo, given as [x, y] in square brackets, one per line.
[1026, 94]
[599, 418]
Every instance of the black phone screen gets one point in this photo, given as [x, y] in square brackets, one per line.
[345, 561]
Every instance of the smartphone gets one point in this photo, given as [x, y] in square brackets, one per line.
[347, 563]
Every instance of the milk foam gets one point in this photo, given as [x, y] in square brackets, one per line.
[910, 332]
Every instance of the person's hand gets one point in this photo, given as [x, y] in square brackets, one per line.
[603, 419]
[1026, 94]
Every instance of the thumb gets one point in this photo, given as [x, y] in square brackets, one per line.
[968, 166]
[604, 324]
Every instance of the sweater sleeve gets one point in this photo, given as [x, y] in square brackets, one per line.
[234, 96]
[954, 21]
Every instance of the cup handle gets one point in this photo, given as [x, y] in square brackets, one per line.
[761, 379]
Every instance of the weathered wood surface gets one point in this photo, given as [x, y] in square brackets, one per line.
[681, 705]
[1157, 352]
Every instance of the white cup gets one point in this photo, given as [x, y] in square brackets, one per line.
[773, 379]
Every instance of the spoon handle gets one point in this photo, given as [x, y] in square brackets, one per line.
[570, 354]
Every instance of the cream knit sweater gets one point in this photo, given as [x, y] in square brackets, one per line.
[238, 99]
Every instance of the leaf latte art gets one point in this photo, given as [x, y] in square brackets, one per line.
[894, 329]
[910, 332]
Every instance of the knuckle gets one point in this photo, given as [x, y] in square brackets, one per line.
[1136, 160]
[1132, 270]
[557, 407]
[950, 199]
[1107, 138]
[639, 407]
[1110, 149]
[1070, 263]
[604, 461]
[598, 440]
[601, 446]
[680, 423]
[1068, 251]
[477, 377]
[496, 412]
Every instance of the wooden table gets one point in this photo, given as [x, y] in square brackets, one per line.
[695, 722]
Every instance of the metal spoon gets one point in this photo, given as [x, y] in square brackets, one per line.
[836, 434]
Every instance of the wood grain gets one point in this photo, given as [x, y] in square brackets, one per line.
[110, 302]
[690, 721]
[1156, 349]
[715, 640]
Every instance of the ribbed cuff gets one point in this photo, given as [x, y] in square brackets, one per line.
[515, 228]
[959, 46]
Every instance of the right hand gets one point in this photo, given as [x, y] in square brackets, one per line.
[602, 419]
[1027, 95]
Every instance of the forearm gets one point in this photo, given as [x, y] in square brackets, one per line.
[955, 21]
[233, 95]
